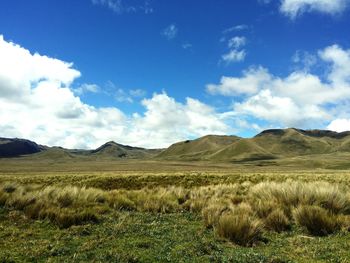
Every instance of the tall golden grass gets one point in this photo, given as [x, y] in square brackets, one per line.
[238, 212]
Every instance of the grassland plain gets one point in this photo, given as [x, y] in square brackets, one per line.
[151, 211]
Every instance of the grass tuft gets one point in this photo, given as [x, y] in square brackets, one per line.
[241, 229]
[277, 221]
[318, 221]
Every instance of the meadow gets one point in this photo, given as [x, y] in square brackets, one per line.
[148, 211]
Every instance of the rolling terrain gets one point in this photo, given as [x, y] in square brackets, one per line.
[276, 147]
[281, 196]
[276, 144]
[10, 148]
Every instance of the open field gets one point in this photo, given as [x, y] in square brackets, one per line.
[148, 211]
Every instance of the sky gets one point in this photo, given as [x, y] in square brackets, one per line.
[150, 73]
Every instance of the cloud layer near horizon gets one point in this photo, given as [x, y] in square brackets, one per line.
[301, 99]
[38, 102]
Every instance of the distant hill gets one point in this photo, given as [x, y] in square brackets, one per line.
[17, 147]
[267, 145]
[109, 150]
[271, 146]
[199, 148]
[115, 150]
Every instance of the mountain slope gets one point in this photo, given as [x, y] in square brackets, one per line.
[269, 144]
[293, 142]
[17, 147]
[281, 144]
[114, 150]
[197, 149]
[242, 150]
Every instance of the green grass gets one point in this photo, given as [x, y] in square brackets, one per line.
[148, 237]
[172, 215]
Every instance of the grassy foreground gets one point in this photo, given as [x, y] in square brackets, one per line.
[243, 215]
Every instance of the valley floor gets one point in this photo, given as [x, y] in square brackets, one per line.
[171, 212]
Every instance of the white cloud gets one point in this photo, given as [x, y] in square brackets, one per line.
[138, 93]
[235, 28]
[170, 32]
[339, 125]
[305, 59]
[300, 99]
[186, 46]
[115, 5]
[295, 8]
[235, 54]
[38, 103]
[85, 88]
[176, 120]
[237, 42]
[119, 6]
[277, 109]
[340, 61]
[122, 95]
[250, 83]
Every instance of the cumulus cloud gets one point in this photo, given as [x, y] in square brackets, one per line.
[339, 125]
[170, 32]
[300, 99]
[37, 102]
[295, 8]
[304, 59]
[177, 120]
[249, 83]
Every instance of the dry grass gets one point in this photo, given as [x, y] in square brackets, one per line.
[318, 221]
[240, 228]
[240, 212]
[64, 206]
[277, 221]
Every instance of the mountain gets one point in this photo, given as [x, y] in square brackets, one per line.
[273, 146]
[199, 148]
[267, 145]
[17, 147]
[115, 150]
[109, 150]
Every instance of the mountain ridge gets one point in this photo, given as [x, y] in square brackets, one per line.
[266, 145]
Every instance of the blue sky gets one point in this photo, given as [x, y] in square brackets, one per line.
[172, 70]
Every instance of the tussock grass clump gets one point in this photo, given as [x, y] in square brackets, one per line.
[3, 198]
[292, 194]
[277, 221]
[322, 208]
[199, 198]
[212, 213]
[240, 228]
[65, 206]
[318, 221]
[9, 187]
[263, 208]
[120, 201]
[160, 201]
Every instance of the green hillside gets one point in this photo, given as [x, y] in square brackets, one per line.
[198, 149]
[267, 145]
